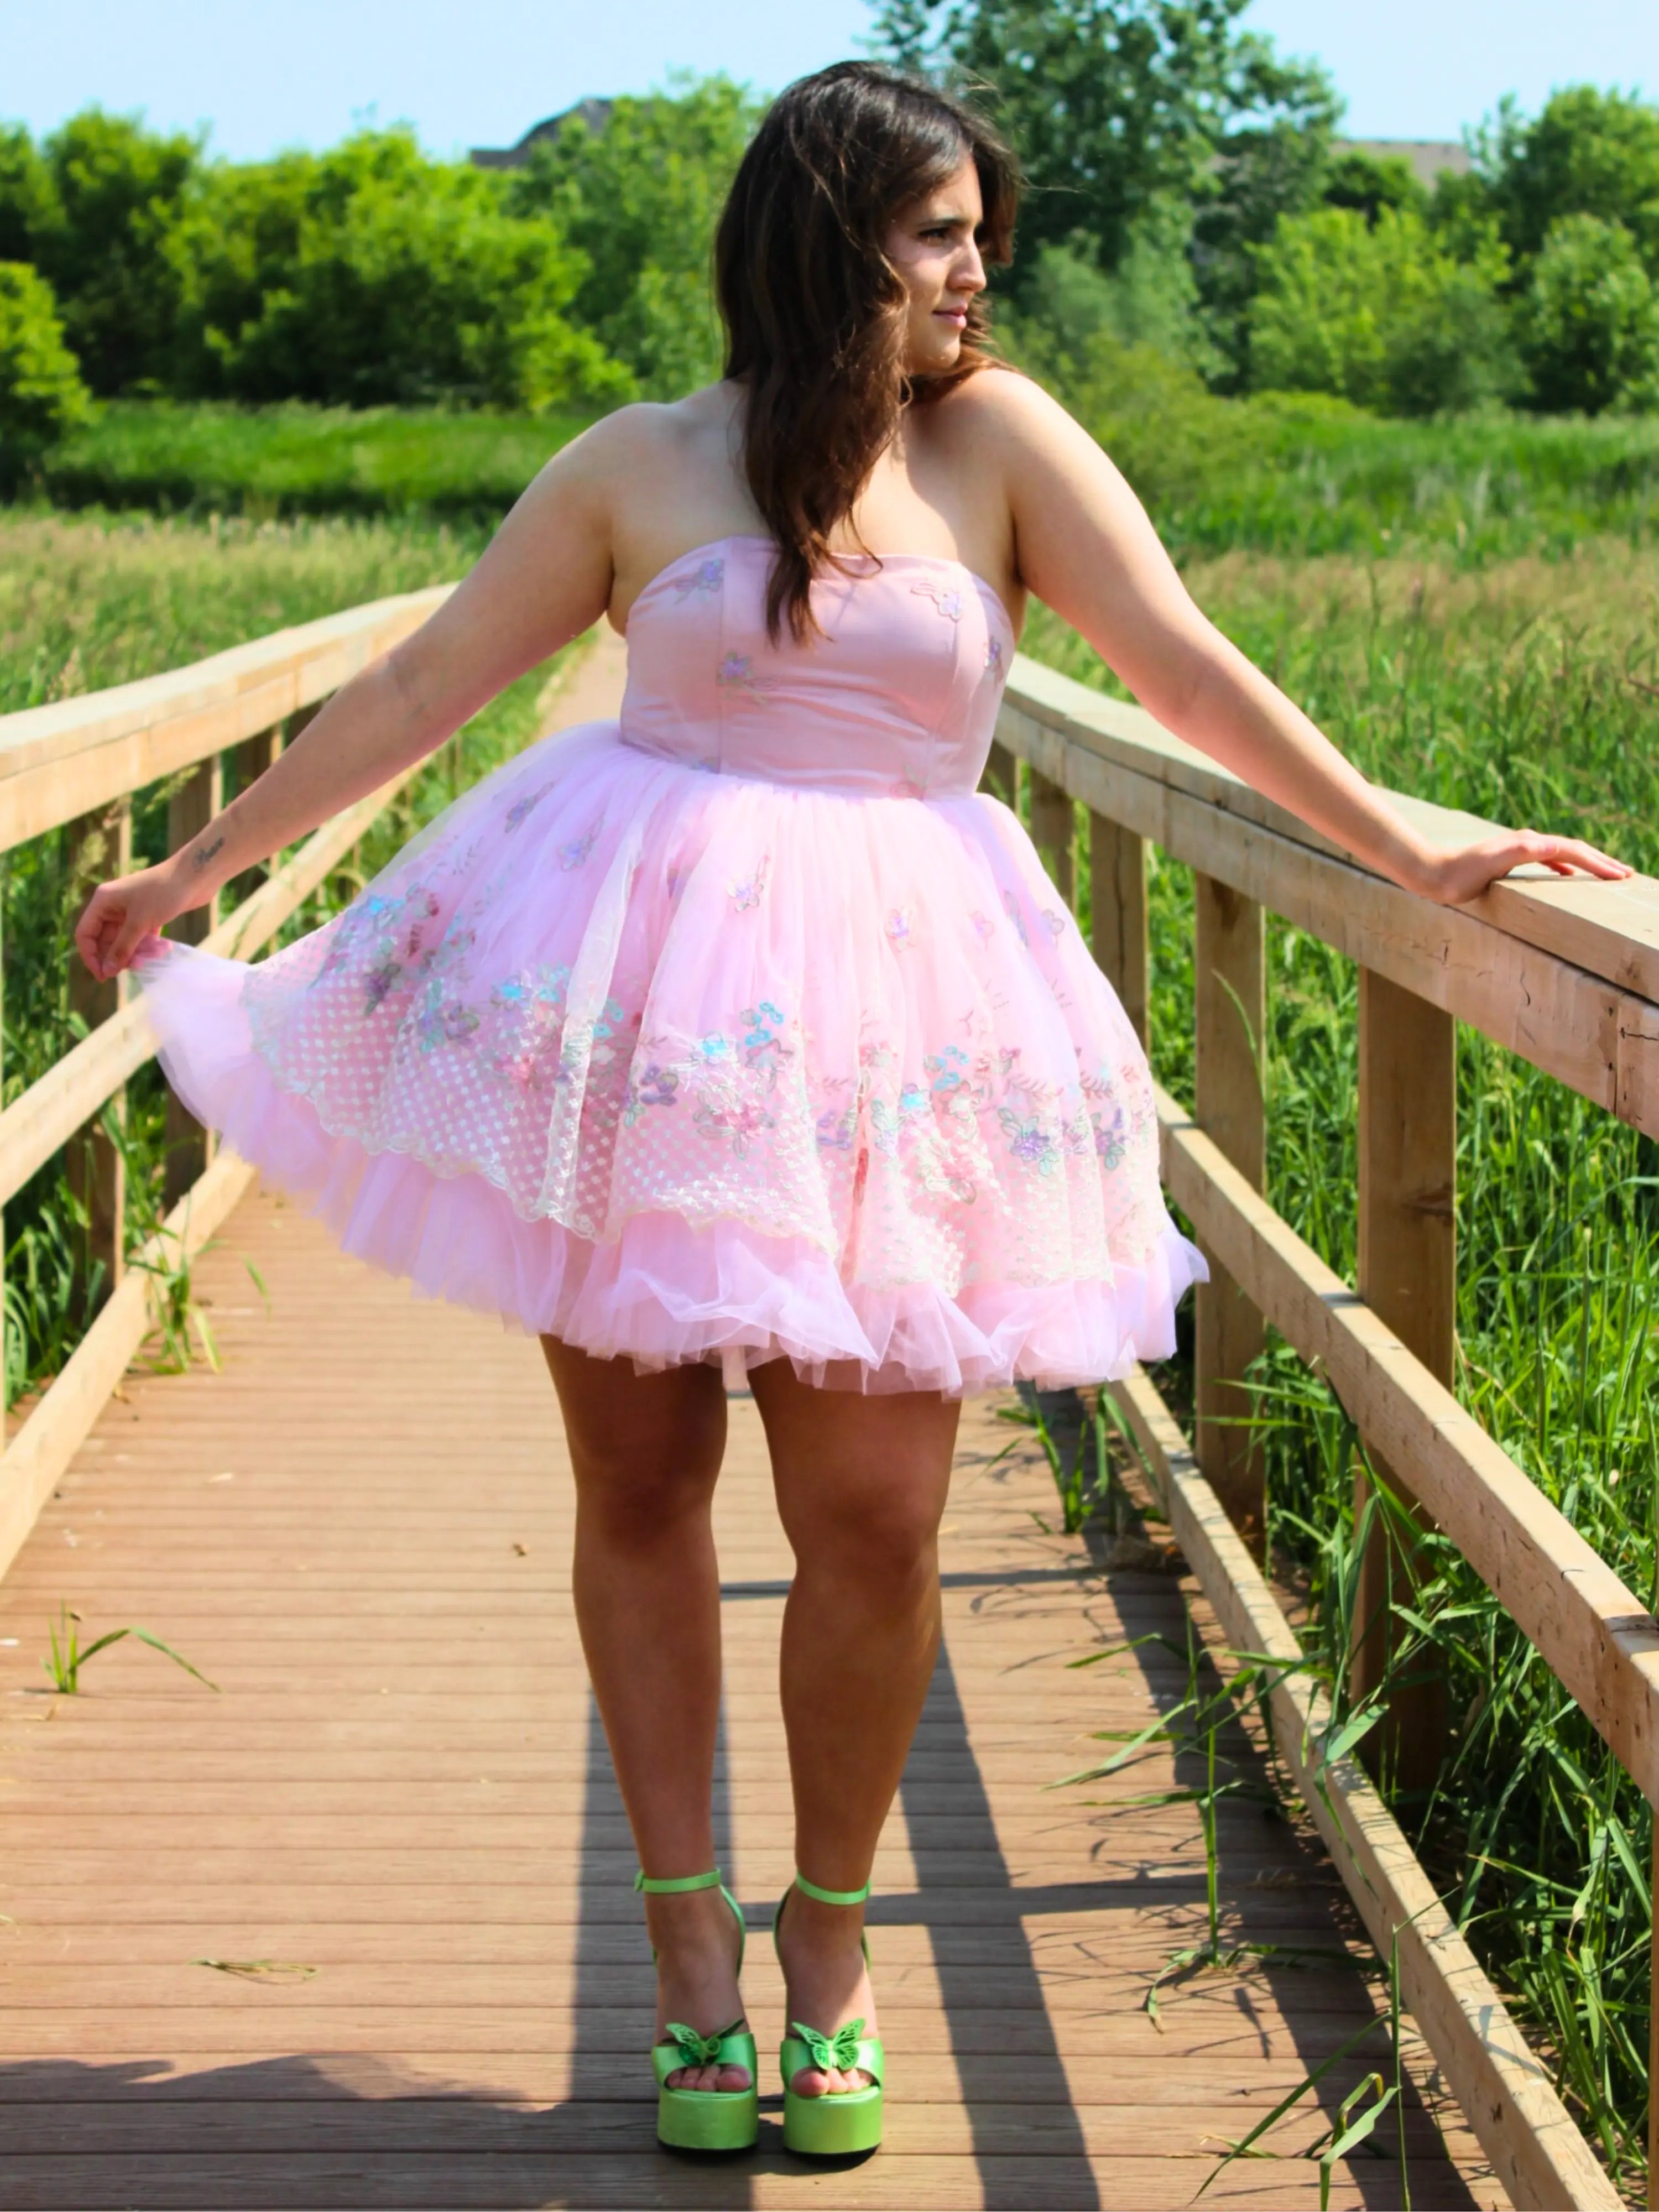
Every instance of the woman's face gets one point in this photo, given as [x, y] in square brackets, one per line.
[932, 244]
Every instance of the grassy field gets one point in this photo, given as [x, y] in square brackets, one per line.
[267, 462]
[1525, 690]
[90, 601]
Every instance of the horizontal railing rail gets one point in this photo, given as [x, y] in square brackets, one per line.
[1563, 973]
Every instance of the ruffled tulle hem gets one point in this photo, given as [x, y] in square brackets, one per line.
[662, 1290]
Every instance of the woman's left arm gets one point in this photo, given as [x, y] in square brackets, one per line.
[1085, 547]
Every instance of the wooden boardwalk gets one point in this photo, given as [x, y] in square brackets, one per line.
[358, 1931]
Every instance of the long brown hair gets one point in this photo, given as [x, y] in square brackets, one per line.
[813, 309]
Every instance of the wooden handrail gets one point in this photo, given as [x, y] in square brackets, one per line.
[79, 756]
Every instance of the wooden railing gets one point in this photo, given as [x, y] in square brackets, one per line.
[1565, 973]
[76, 765]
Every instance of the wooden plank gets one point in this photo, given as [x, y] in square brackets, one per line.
[1230, 1006]
[303, 1814]
[1505, 2091]
[80, 754]
[98, 846]
[1595, 1635]
[1118, 912]
[1600, 1039]
[1408, 1277]
[1609, 930]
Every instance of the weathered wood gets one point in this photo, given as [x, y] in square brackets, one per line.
[1523, 2127]
[194, 803]
[1230, 991]
[450, 1855]
[1408, 1277]
[1118, 916]
[1001, 776]
[1609, 930]
[98, 846]
[80, 754]
[1053, 829]
[1594, 1634]
[1598, 1038]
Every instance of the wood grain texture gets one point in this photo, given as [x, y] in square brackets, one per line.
[1408, 1277]
[1230, 1025]
[401, 1787]
[1538, 2152]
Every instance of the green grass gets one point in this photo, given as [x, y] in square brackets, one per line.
[294, 460]
[1523, 691]
[86, 602]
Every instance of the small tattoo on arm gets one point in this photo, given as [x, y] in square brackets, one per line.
[205, 852]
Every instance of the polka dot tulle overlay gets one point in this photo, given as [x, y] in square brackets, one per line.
[680, 1064]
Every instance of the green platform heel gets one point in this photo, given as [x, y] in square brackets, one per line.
[704, 2119]
[843, 2121]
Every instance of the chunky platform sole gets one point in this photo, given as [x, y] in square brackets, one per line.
[835, 2125]
[708, 2119]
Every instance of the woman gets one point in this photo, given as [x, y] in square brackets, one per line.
[743, 1036]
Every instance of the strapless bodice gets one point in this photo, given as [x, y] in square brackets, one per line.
[899, 695]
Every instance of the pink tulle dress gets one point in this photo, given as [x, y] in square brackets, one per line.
[743, 1026]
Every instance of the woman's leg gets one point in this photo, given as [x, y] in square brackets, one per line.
[861, 1484]
[646, 1450]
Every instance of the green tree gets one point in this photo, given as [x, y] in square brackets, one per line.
[641, 198]
[1371, 182]
[1590, 320]
[371, 274]
[41, 394]
[1113, 105]
[101, 236]
[1379, 314]
[1587, 153]
[27, 204]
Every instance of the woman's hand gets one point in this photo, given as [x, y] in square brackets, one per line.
[122, 913]
[1452, 877]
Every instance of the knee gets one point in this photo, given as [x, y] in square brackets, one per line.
[641, 1500]
[884, 1538]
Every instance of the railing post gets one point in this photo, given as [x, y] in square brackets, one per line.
[1001, 776]
[1117, 914]
[1053, 827]
[98, 846]
[1230, 965]
[1408, 1275]
[191, 807]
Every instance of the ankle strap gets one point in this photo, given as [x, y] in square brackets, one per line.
[670, 1885]
[830, 1896]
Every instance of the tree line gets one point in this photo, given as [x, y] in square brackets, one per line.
[1189, 201]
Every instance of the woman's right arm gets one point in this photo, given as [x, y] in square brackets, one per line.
[544, 578]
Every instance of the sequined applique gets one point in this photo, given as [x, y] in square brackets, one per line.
[736, 671]
[705, 579]
[947, 599]
[746, 896]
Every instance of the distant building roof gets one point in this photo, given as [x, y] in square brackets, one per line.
[595, 113]
[1428, 158]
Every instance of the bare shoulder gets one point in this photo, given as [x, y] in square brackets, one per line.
[1002, 411]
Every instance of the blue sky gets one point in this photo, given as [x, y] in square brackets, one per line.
[270, 73]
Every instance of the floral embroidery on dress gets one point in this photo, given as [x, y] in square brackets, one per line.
[1054, 922]
[746, 895]
[983, 924]
[736, 671]
[1011, 907]
[993, 656]
[835, 1129]
[704, 578]
[1029, 1141]
[657, 1086]
[946, 600]
[898, 926]
[573, 855]
[521, 805]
